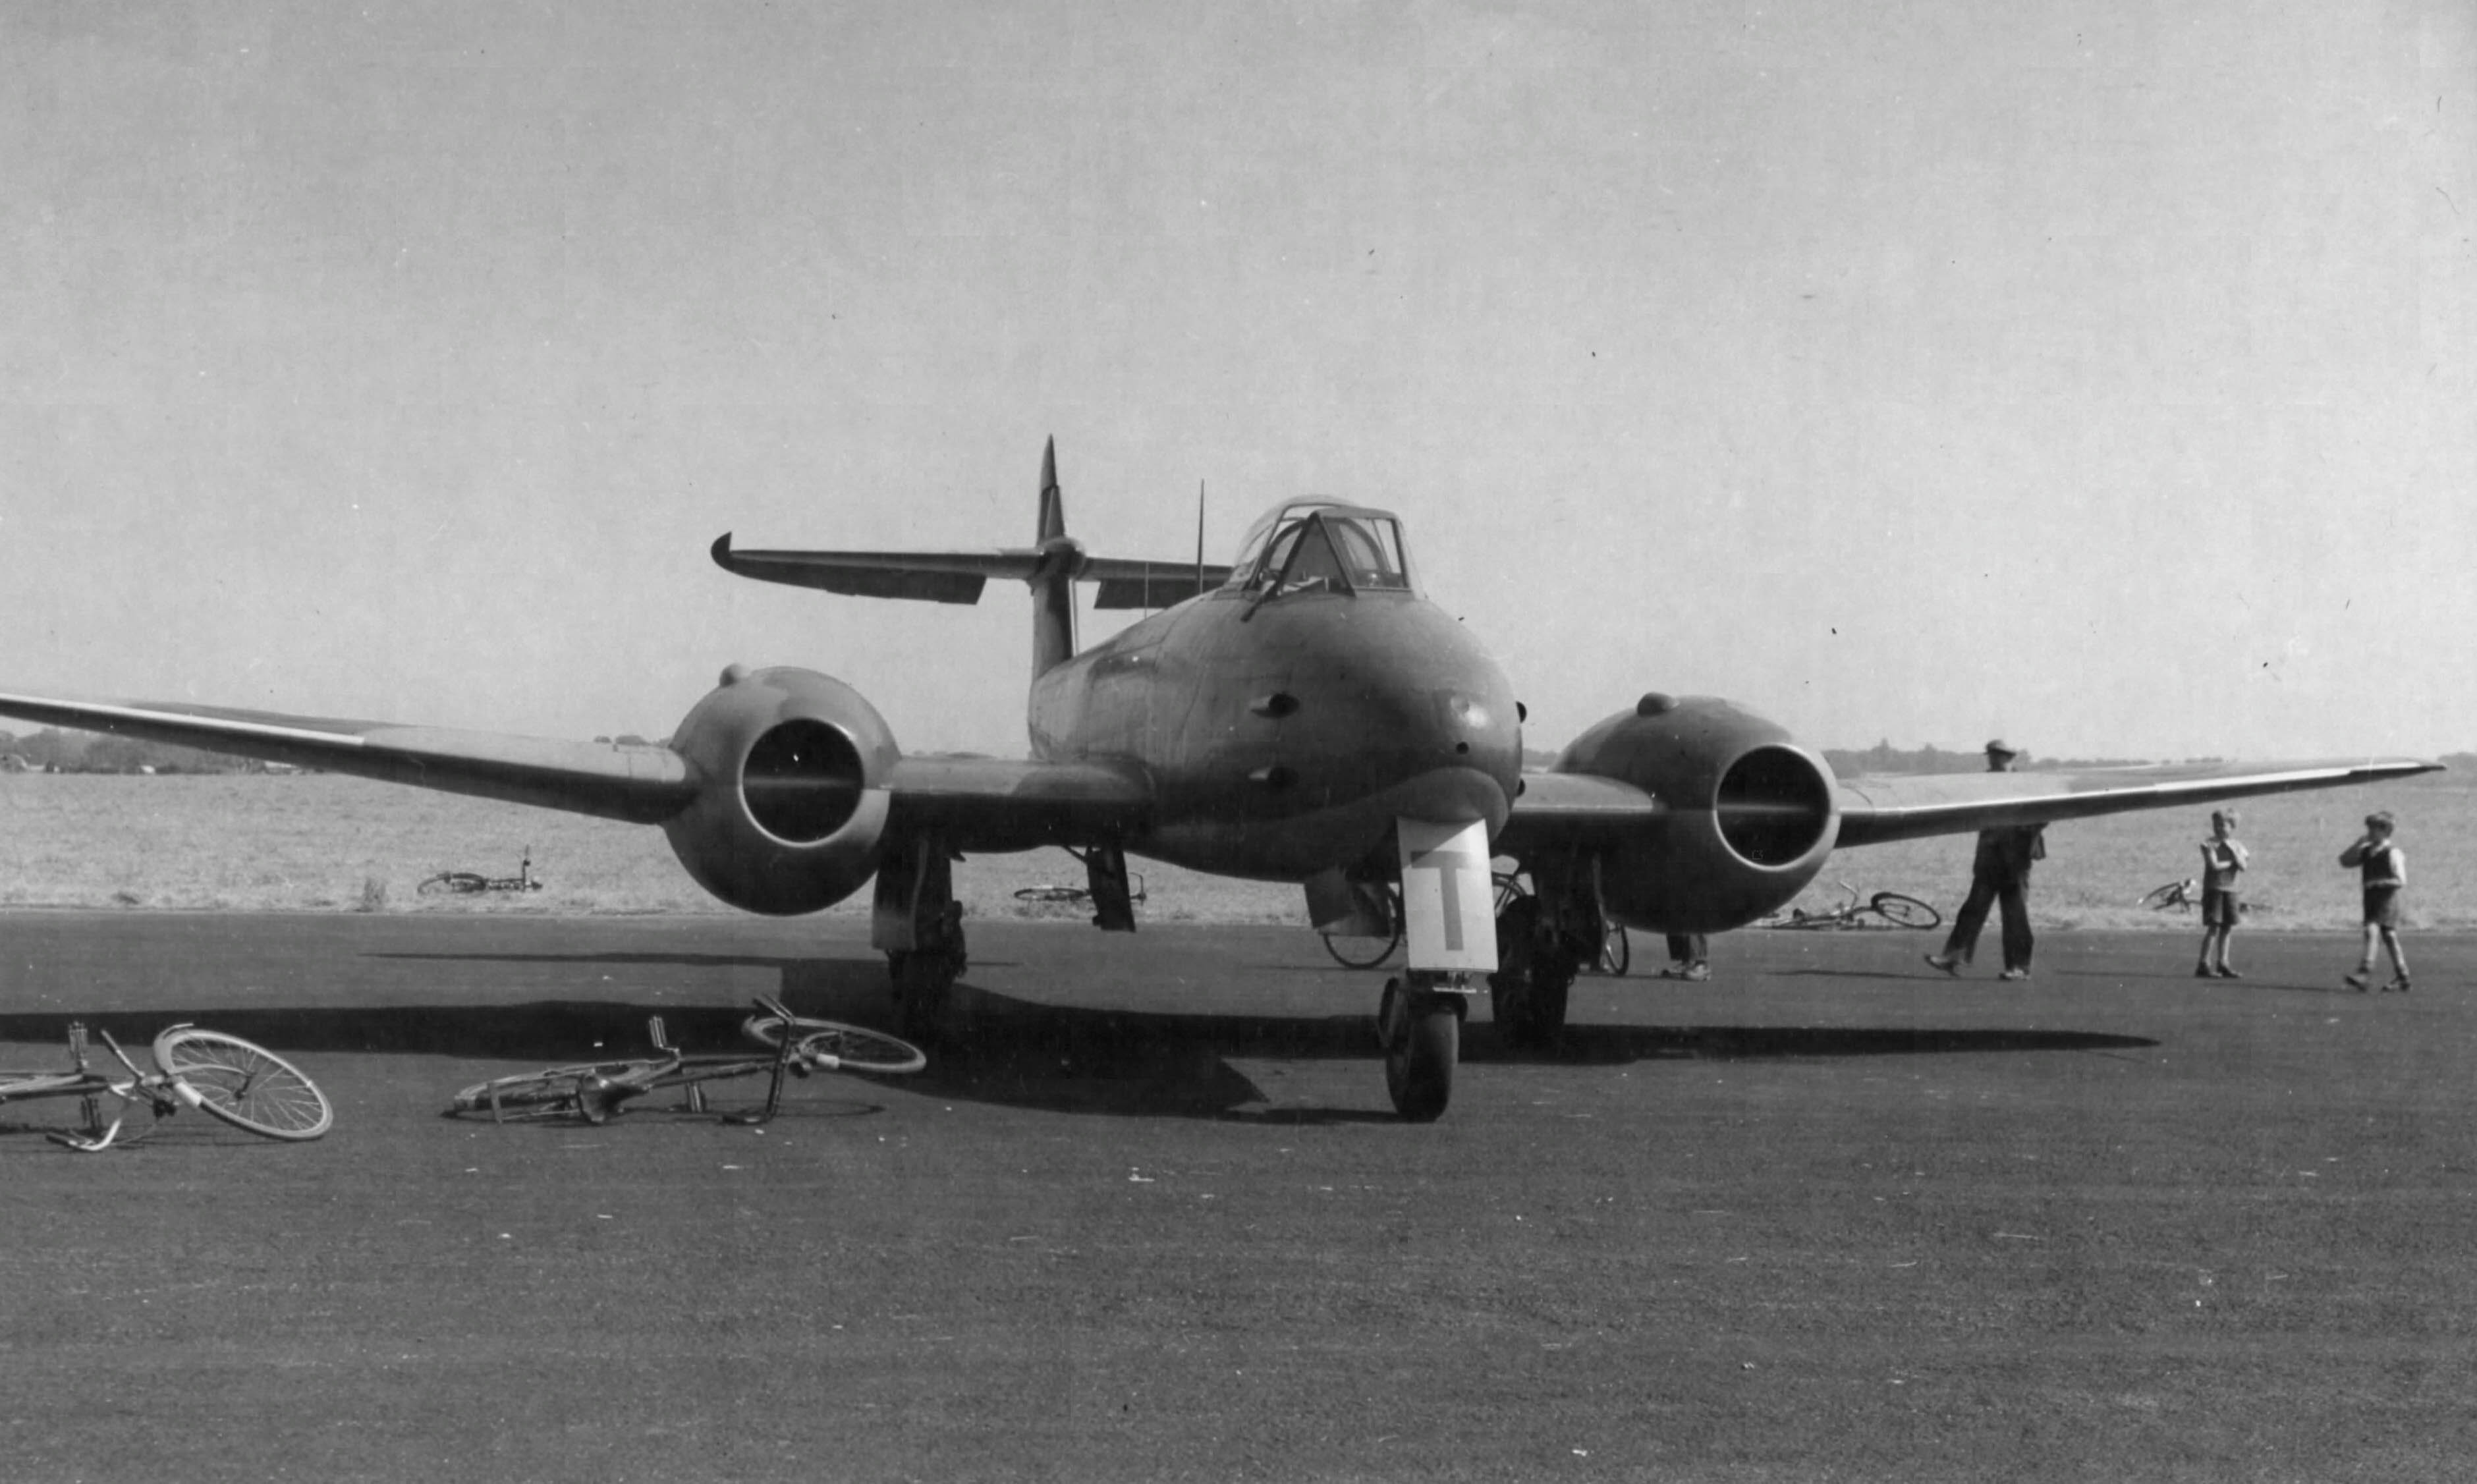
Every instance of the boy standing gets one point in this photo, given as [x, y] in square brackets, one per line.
[2385, 874]
[2223, 860]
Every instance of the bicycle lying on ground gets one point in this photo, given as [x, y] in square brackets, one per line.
[469, 882]
[2181, 896]
[1365, 951]
[1077, 896]
[224, 1076]
[1884, 910]
[594, 1091]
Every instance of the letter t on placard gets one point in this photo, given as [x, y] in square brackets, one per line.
[1447, 894]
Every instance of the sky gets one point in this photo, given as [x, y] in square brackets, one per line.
[2095, 375]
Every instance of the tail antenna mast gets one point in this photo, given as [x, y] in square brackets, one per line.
[1200, 538]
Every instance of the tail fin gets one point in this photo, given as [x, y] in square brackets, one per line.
[1053, 511]
[1053, 587]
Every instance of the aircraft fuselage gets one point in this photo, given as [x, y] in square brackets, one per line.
[1284, 735]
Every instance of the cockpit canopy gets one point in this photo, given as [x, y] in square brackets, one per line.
[1303, 545]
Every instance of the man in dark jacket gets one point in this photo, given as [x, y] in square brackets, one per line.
[1998, 873]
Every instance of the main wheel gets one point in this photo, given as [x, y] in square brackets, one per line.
[1529, 989]
[1904, 911]
[1422, 1035]
[247, 1086]
[556, 1091]
[842, 1048]
[459, 882]
[924, 984]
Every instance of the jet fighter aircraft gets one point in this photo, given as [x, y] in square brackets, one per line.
[1305, 715]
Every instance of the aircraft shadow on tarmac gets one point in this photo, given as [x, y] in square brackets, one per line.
[1005, 1051]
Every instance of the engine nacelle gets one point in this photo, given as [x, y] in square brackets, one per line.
[1752, 816]
[790, 810]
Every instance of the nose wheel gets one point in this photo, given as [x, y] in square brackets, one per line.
[1420, 1028]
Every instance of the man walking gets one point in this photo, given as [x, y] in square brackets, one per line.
[1998, 873]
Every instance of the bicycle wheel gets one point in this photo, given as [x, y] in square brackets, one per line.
[245, 1085]
[839, 1046]
[1065, 894]
[1353, 951]
[1365, 951]
[1903, 911]
[1616, 954]
[459, 882]
[556, 1091]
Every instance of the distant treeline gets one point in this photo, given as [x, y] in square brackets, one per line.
[1885, 758]
[56, 750]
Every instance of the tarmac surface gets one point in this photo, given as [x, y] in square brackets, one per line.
[1147, 1216]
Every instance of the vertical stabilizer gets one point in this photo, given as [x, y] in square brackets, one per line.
[1052, 511]
[1053, 586]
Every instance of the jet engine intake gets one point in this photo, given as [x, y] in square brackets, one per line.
[1751, 815]
[790, 810]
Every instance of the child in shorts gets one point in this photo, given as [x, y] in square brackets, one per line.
[2223, 860]
[2384, 872]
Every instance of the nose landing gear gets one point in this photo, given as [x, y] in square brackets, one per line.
[1419, 1022]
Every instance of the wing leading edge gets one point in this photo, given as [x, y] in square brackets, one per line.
[1876, 810]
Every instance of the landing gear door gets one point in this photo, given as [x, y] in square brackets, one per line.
[1448, 902]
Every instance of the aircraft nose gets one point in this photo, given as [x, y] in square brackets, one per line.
[1423, 699]
[1477, 727]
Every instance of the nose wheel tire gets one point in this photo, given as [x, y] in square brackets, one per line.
[1421, 1031]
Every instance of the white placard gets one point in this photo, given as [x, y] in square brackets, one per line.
[1448, 897]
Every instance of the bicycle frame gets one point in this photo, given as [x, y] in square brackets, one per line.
[160, 1092]
[598, 1098]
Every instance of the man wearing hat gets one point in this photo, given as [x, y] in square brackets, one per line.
[1999, 873]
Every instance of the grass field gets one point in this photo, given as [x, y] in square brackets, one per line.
[320, 842]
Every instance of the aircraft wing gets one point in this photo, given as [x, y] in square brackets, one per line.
[1562, 806]
[976, 804]
[639, 784]
[1874, 810]
[958, 577]
[994, 804]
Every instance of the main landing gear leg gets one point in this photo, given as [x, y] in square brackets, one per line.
[1419, 1021]
[1535, 969]
[918, 923]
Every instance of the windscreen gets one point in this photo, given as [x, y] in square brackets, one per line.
[1302, 547]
